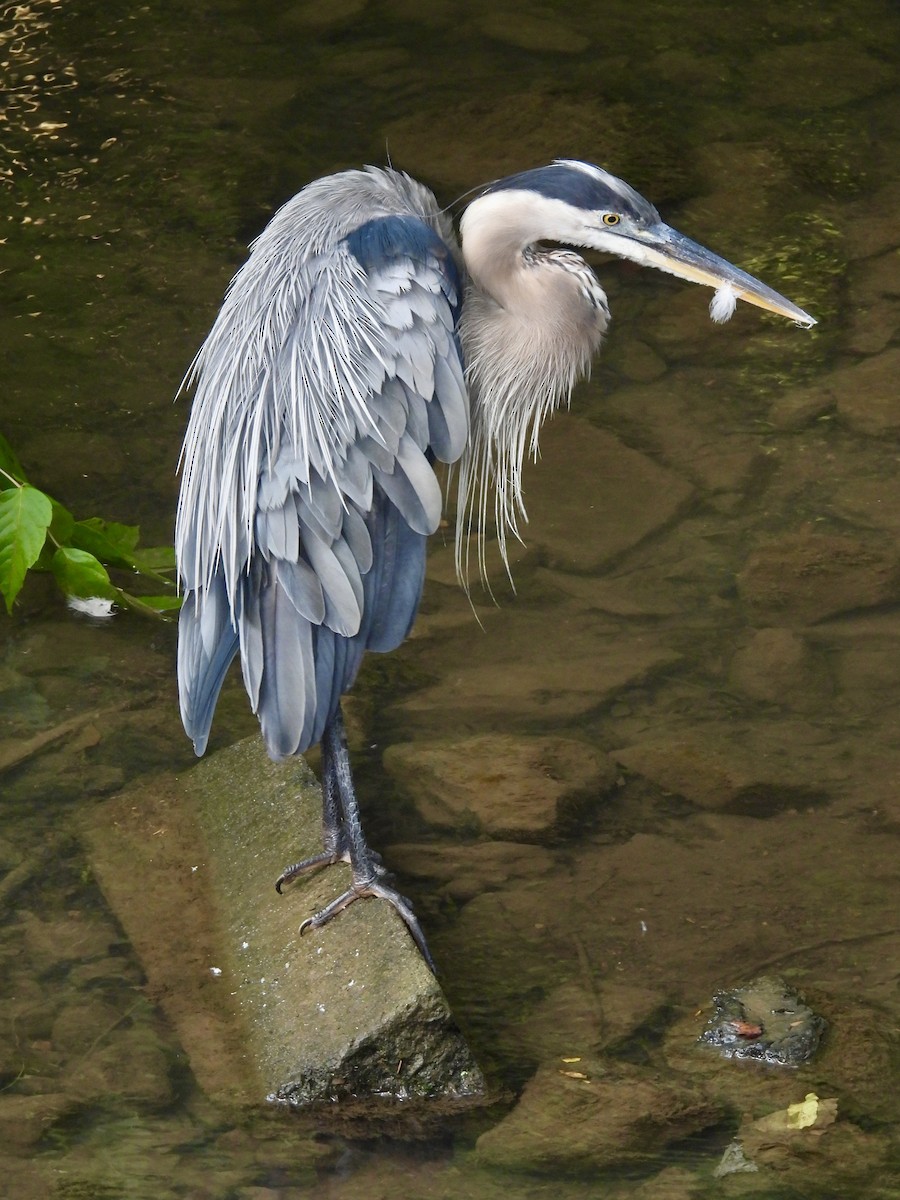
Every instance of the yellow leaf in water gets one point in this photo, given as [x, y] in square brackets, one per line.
[802, 1115]
[569, 1060]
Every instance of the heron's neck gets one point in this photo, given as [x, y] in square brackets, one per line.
[531, 324]
[493, 256]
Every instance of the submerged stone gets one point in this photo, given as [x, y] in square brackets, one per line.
[516, 28]
[501, 785]
[821, 74]
[720, 774]
[577, 1117]
[579, 460]
[25, 1120]
[465, 871]
[805, 577]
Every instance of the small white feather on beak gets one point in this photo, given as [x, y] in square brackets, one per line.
[723, 304]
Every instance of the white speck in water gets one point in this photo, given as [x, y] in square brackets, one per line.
[215, 971]
[351, 983]
[194, 870]
[320, 1007]
[723, 304]
[263, 980]
[245, 945]
[643, 926]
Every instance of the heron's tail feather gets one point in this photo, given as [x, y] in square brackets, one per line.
[207, 643]
[393, 586]
[296, 656]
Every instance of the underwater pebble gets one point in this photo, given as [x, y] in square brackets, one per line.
[579, 461]
[638, 362]
[860, 1061]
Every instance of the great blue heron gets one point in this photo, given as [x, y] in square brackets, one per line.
[355, 347]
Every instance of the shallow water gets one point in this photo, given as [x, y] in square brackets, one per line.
[708, 594]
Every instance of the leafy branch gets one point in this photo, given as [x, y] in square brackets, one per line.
[37, 533]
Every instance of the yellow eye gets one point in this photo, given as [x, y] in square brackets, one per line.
[611, 218]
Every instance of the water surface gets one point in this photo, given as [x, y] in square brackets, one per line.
[708, 592]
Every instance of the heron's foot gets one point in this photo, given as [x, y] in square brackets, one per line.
[326, 859]
[374, 887]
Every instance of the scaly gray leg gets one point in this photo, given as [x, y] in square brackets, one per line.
[334, 843]
[344, 840]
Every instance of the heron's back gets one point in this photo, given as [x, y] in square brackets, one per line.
[330, 381]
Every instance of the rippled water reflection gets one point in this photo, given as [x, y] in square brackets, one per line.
[707, 601]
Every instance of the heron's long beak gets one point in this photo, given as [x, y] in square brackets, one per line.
[666, 249]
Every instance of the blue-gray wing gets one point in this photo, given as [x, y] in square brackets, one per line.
[328, 385]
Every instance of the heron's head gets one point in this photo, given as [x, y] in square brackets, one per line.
[583, 205]
[534, 317]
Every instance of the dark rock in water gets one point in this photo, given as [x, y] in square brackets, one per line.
[764, 1021]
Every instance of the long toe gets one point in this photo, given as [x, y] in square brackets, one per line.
[326, 859]
[381, 891]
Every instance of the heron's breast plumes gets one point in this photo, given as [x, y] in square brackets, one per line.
[521, 364]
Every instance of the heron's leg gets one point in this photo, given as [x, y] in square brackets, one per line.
[367, 873]
[334, 842]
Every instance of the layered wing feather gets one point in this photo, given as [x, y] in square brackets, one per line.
[331, 380]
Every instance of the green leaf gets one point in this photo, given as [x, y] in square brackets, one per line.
[9, 463]
[152, 606]
[151, 559]
[25, 515]
[106, 540]
[62, 523]
[162, 603]
[79, 573]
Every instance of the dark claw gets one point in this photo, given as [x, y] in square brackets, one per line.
[326, 859]
[374, 888]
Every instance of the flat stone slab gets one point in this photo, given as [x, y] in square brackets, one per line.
[347, 1012]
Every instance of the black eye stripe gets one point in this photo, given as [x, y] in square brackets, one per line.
[581, 189]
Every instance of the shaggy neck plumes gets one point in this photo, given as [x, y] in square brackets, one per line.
[530, 326]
